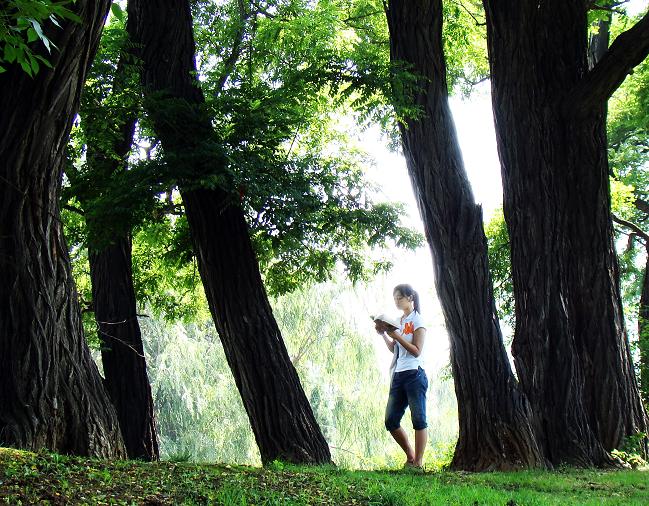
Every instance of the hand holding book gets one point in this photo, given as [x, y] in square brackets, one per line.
[384, 323]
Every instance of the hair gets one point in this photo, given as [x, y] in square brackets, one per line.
[408, 291]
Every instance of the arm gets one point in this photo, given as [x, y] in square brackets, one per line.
[381, 329]
[388, 342]
[417, 344]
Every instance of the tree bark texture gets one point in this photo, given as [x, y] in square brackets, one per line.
[122, 353]
[51, 393]
[570, 347]
[643, 333]
[279, 412]
[494, 416]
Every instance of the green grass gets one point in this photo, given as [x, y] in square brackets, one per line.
[46, 478]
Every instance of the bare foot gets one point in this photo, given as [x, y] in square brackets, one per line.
[409, 463]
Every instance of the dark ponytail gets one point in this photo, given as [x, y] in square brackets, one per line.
[408, 291]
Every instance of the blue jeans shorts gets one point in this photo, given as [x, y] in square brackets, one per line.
[408, 388]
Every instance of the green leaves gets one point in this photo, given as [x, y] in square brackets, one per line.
[274, 76]
[117, 11]
[22, 25]
[628, 138]
[500, 266]
[465, 45]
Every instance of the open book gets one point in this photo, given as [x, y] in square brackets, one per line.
[387, 319]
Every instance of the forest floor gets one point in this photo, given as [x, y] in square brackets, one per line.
[46, 478]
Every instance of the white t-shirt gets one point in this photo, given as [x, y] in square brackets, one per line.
[402, 359]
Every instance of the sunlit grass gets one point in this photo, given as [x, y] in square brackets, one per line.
[47, 478]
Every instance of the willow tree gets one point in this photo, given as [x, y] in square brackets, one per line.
[51, 393]
[570, 346]
[494, 416]
[279, 412]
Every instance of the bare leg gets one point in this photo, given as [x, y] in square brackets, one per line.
[421, 438]
[401, 437]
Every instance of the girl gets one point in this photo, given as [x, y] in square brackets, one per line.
[409, 382]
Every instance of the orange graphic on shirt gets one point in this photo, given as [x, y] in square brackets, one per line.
[409, 328]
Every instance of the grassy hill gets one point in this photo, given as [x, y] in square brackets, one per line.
[46, 478]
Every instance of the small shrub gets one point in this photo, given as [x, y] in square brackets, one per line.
[633, 451]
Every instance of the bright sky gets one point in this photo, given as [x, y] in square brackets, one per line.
[636, 6]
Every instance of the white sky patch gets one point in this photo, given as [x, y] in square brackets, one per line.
[634, 7]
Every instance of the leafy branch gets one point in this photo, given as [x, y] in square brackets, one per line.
[22, 27]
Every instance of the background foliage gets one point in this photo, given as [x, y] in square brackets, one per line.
[200, 415]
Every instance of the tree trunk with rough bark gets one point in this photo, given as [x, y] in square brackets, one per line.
[570, 347]
[279, 412]
[51, 393]
[494, 416]
[122, 353]
[643, 332]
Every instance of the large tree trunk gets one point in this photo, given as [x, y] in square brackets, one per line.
[494, 416]
[570, 348]
[51, 393]
[643, 332]
[279, 412]
[122, 352]
[611, 429]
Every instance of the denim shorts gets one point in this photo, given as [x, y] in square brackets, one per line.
[408, 388]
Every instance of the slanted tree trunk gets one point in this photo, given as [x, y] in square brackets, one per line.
[570, 348]
[279, 412]
[643, 332]
[638, 235]
[51, 393]
[122, 352]
[494, 416]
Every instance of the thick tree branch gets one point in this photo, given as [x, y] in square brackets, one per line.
[632, 226]
[628, 50]
[629, 244]
[361, 16]
[594, 6]
[479, 81]
[260, 10]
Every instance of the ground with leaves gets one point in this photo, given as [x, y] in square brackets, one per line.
[45, 478]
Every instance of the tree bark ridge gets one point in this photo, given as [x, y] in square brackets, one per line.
[570, 348]
[51, 394]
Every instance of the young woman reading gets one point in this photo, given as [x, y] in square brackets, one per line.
[409, 382]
